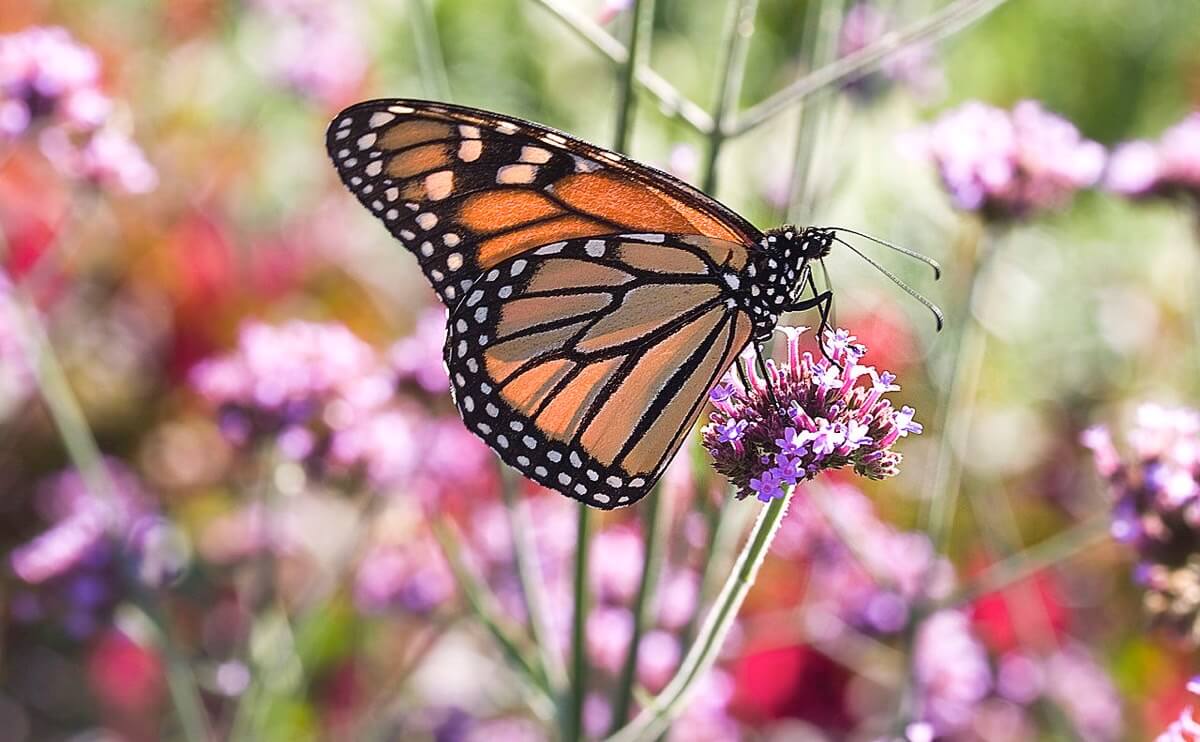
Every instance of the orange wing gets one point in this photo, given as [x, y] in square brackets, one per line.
[465, 189]
[585, 362]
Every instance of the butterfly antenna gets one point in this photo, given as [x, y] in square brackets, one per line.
[937, 313]
[937, 268]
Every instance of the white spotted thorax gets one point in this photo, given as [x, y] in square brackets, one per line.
[771, 277]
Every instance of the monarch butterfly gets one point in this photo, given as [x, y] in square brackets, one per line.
[593, 301]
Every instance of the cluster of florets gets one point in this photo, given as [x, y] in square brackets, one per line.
[1157, 508]
[1167, 167]
[803, 417]
[1007, 164]
[51, 83]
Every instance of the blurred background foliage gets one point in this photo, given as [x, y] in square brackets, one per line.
[1090, 310]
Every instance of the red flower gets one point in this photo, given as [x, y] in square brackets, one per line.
[795, 682]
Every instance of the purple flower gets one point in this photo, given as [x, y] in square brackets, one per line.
[1157, 508]
[1168, 167]
[1010, 164]
[313, 47]
[731, 430]
[50, 81]
[816, 416]
[417, 358]
[905, 422]
[412, 577]
[722, 392]
[951, 669]
[863, 25]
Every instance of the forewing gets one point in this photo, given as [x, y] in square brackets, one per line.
[585, 362]
[465, 189]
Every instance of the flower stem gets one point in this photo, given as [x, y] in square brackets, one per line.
[732, 65]
[654, 536]
[655, 717]
[572, 717]
[938, 25]
[1023, 564]
[671, 101]
[640, 31]
[483, 606]
[81, 447]
[525, 558]
[429, 51]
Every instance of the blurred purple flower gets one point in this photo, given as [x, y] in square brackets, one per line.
[951, 671]
[1167, 167]
[44, 73]
[16, 377]
[1186, 728]
[875, 589]
[418, 357]
[914, 66]
[413, 577]
[81, 521]
[816, 416]
[315, 47]
[1157, 508]
[616, 563]
[1009, 164]
[49, 80]
[1085, 692]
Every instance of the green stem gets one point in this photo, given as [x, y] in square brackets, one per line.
[938, 25]
[573, 713]
[529, 575]
[958, 407]
[641, 28]
[1017, 567]
[732, 66]
[703, 653]
[654, 535]
[482, 605]
[429, 51]
[81, 447]
[671, 101]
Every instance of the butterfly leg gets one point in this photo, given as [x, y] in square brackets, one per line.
[822, 302]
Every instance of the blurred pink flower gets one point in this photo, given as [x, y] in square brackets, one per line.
[616, 563]
[80, 521]
[1166, 167]
[413, 577]
[876, 588]
[1157, 508]
[1009, 164]
[952, 672]
[418, 357]
[914, 66]
[315, 47]
[1082, 689]
[48, 79]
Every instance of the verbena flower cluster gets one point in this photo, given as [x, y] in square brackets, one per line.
[1157, 509]
[874, 589]
[914, 66]
[1167, 167]
[805, 417]
[312, 47]
[1009, 164]
[325, 398]
[51, 82]
[1187, 727]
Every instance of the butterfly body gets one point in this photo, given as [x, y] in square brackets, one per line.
[592, 301]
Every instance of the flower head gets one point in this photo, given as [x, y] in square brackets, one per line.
[914, 67]
[1010, 164]
[1157, 508]
[805, 417]
[1166, 167]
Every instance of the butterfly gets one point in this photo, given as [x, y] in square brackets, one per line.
[593, 301]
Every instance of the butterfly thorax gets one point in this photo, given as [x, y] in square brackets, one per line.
[778, 271]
